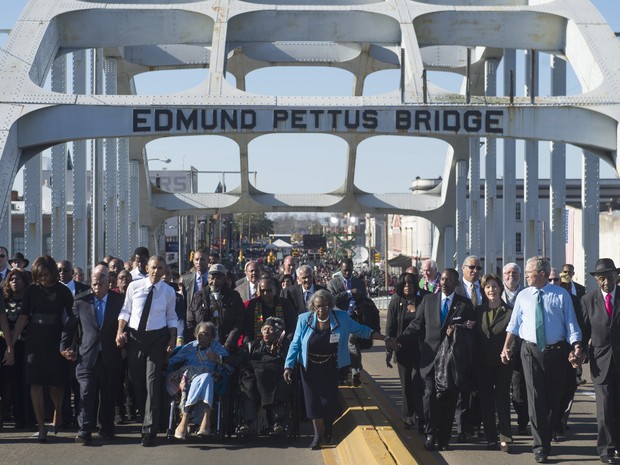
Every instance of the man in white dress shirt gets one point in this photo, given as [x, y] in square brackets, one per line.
[149, 316]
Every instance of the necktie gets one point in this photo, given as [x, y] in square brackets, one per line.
[99, 311]
[608, 305]
[199, 283]
[474, 295]
[540, 322]
[146, 310]
[445, 307]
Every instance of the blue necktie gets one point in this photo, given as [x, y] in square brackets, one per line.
[445, 307]
[99, 311]
[540, 321]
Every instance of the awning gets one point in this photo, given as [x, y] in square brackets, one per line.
[400, 261]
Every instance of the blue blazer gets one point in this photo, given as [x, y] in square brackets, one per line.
[341, 323]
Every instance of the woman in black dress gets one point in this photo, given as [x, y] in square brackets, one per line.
[46, 308]
[12, 377]
[401, 311]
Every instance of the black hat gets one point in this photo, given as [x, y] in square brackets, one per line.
[19, 256]
[604, 265]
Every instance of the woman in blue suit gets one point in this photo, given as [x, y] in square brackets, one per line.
[320, 346]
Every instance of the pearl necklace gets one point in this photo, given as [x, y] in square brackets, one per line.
[322, 321]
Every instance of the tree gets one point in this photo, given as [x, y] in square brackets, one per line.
[253, 225]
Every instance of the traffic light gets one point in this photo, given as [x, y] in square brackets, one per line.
[377, 257]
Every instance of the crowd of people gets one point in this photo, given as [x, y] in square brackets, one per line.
[466, 345]
[113, 349]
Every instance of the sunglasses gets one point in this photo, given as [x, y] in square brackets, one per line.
[474, 267]
[2, 255]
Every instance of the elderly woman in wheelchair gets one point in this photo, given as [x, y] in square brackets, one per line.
[261, 380]
[197, 371]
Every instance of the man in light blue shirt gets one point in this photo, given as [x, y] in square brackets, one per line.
[544, 318]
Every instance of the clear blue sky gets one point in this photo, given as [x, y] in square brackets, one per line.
[385, 164]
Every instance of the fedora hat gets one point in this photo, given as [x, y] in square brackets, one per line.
[604, 265]
[19, 256]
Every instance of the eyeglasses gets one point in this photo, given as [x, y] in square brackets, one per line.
[322, 307]
[474, 267]
[554, 280]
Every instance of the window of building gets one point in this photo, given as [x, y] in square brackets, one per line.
[518, 244]
[47, 244]
[518, 212]
[18, 243]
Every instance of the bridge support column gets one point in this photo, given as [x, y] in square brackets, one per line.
[474, 197]
[59, 170]
[111, 169]
[80, 177]
[490, 179]
[509, 223]
[33, 227]
[461, 214]
[557, 187]
[531, 215]
[590, 193]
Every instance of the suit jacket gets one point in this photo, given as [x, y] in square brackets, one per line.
[460, 290]
[599, 329]
[427, 326]
[395, 325]
[338, 289]
[230, 319]
[580, 290]
[295, 295]
[491, 335]
[91, 336]
[189, 281]
[243, 288]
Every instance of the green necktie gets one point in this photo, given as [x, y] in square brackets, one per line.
[540, 322]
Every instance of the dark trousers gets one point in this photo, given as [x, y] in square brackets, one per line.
[608, 412]
[438, 413]
[494, 390]
[545, 375]
[146, 353]
[412, 393]
[97, 392]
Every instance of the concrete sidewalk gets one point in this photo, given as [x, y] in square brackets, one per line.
[577, 446]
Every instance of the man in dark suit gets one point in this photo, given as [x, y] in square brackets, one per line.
[299, 294]
[433, 322]
[347, 291]
[99, 360]
[576, 288]
[601, 320]
[196, 279]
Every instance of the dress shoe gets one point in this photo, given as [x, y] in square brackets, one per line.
[444, 446]
[147, 440]
[357, 380]
[316, 443]
[608, 458]
[421, 427]
[504, 447]
[429, 443]
[182, 435]
[84, 438]
[461, 438]
[408, 425]
[42, 436]
[615, 453]
[106, 435]
[540, 456]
